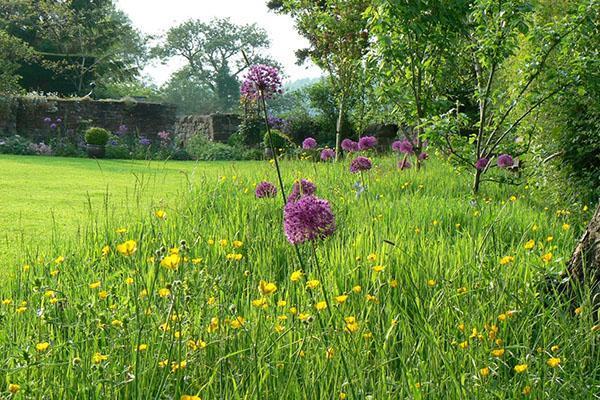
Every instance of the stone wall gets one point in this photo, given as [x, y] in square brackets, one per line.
[26, 115]
[216, 127]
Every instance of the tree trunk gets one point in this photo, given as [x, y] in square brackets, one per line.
[477, 181]
[584, 265]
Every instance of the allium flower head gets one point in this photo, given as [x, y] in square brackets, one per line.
[302, 188]
[327, 154]
[349, 145]
[423, 156]
[404, 164]
[403, 146]
[53, 126]
[360, 164]
[481, 163]
[261, 78]
[309, 143]
[367, 142]
[58, 120]
[122, 130]
[47, 120]
[164, 135]
[505, 160]
[265, 189]
[144, 141]
[308, 219]
[276, 122]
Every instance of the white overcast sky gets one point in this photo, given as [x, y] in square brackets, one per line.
[157, 16]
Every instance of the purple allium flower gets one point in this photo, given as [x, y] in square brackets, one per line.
[53, 126]
[58, 120]
[349, 145]
[265, 189]
[122, 130]
[360, 163]
[144, 141]
[302, 188]
[261, 78]
[481, 163]
[276, 122]
[404, 164]
[423, 156]
[164, 135]
[327, 154]
[367, 142]
[403, 146]
[505, 161]
[309, 143]
[308, 219]
[47, 120]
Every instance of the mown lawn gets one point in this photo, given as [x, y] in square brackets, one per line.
[423, 291]
[48, 198]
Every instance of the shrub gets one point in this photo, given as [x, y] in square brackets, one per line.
[281, 141]
[97, 136]
[15, 145]
[200, 148]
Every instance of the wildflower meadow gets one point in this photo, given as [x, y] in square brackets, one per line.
[399, 285]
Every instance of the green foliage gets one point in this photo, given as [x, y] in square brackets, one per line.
[15, 144]
[97, 136]
[281, 142]
[12, 51]
[201, 148]
[423, 326]
[75, 43]
[250, 132]
[212, 51]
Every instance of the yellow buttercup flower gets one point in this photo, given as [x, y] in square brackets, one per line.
[127, 248]
[160, 214]
[546, 258]
[393, 283]
[296, 276]
[431, 282]
[59, 260]
[95, 285]
[372, 257]
[171, 262]
[357, 289]
[530, 244]
[520, 368]
[378, 268]
[267, 288]
[117, 323]
[312, 284]
[129, 281]
[321, 305]
[164, 292]
[260, 303]
[43, 346]
[566, 227]
[121, 230]
[190, 397]
[553, 362]
[143, 347]
[105, 250]
[351, 324]
[497, 352]
[14, 388]
[237, 244]
[484, 372]
[237, 322]
[341, 299]
[97, 358]
[506, 259]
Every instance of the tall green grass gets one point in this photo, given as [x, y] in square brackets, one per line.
[427, 323]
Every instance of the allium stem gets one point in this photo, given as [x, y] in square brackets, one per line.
[273, 150]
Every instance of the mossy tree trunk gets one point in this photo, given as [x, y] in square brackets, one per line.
[584, 265]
